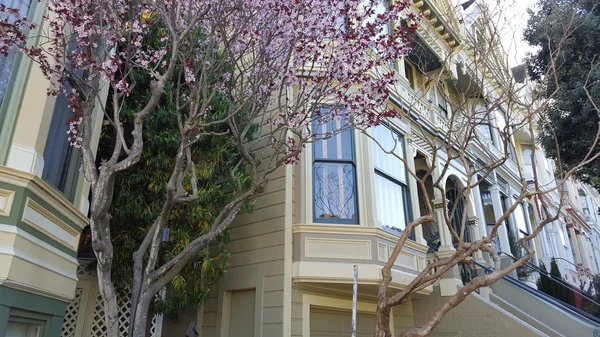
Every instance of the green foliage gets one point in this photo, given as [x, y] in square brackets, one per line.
[551, 285]
[140, 193]
[517, 251]
[593, 292]
[572, 120]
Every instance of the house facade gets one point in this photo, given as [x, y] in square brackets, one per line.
[291, 266]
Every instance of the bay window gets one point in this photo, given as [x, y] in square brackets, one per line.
[391, 188]
[334, 172]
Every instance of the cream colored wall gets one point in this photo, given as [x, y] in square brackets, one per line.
[338, 323]
[27, 263]
[307, 301]
[256, 262]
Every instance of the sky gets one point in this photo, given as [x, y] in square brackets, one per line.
[513, 23]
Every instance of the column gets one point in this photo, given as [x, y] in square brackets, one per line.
[445, 236]
[502, 233]
[583, 250]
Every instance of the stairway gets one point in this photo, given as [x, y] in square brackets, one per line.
[544, 312]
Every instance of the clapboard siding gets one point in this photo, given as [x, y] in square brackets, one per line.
[256, 262]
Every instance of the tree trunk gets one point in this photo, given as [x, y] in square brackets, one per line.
[109, 298]
[140, 323]
[382, 323]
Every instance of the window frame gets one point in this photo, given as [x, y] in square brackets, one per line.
[404, 185]
[352, 162]
[14, 94]
[485, 121]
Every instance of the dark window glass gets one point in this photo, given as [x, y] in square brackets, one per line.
[334, 172]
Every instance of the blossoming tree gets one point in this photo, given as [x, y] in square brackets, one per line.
[275, 62]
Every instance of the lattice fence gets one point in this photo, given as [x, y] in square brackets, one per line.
[94, 311]
[70, 320]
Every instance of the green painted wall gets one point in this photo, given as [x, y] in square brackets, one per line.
[18, 304]
[16, 214]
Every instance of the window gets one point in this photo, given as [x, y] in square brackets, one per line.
[9, 62]
[488, 207]
[527, 162]
[521, 220]
[436, 96]
[22, 329]
[334, 172]
[482, 121]
[391, 191]
[409, 73]
[62, 161]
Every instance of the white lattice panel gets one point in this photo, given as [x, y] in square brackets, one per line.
[94, 312]
[70, 320]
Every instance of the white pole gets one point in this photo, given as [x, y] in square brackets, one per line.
[354, 300]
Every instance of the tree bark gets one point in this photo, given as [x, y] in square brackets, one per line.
[109, 299]
[382, 324]
[140, 323]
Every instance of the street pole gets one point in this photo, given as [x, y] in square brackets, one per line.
[354, 300]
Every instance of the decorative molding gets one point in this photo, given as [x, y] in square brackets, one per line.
[25, 159]
[44, 191]
[404, 259]
[21, 233]
[382, 252]
[341, 273]
[6, 250]
[6, 201]
[46, 222]
[356, 230]
[34, 290]
[337, 248]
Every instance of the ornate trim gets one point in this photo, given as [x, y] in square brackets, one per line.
[6, 201]
[32, 211]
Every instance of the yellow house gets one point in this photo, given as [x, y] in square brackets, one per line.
[291, 266]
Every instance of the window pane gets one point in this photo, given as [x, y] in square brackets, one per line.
[520, 219]
[488, 208]
[338, 146]
[7, 62]
[527, 163]
[482, 120]
[386, 162]
[18, 329]
[335, 191]
[60, 156]
[390, 202]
